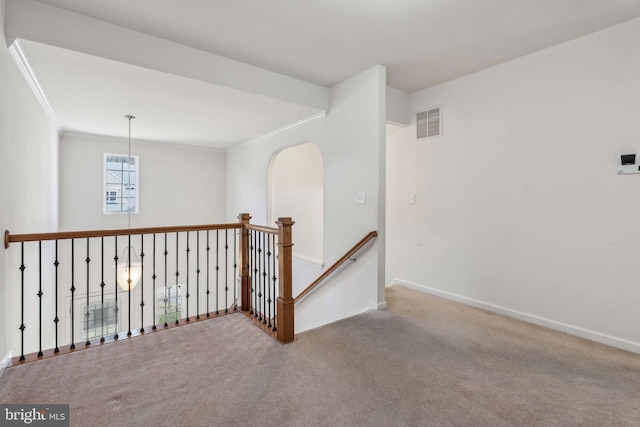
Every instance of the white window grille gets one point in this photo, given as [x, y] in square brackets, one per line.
[121, 189]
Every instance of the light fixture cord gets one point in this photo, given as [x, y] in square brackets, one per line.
[129, 171]
[129, 174]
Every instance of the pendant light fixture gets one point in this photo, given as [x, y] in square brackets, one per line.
[129, 267]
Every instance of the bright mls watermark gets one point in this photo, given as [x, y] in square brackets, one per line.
[35, 415]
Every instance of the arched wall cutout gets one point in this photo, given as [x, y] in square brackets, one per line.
[295, 186]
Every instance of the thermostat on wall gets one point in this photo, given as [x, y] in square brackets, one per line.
[627, 164]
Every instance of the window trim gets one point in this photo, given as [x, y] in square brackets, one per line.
[136, 159]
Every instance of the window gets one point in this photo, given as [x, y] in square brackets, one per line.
[120, 183]
[99, 319]
[169, 304]
[112, 197]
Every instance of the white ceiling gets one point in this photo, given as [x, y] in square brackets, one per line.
[91, 95]
[421, 42]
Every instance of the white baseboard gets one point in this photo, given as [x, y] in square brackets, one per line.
[6, 362]
[530, 318]
[378, 305]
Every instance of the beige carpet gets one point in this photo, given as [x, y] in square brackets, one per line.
[423, 362]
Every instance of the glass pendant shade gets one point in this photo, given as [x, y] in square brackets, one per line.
[127, 277]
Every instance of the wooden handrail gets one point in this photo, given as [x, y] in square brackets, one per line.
[337, 264]
[12, 238]
[269, 230]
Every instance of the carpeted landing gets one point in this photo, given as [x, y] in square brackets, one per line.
[423, 362]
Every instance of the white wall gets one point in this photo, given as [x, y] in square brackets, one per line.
[350, 139]
[397, 107]
[518, 206]
[179, 184]
[28, 179]
[296, 191]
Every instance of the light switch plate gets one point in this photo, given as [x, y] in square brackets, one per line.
[361, 199]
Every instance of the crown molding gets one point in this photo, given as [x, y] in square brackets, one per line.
[15, 49]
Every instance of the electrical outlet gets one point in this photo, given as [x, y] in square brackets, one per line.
[361, 199]
[412, 199]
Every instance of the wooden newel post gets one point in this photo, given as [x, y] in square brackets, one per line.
[285, 299]
[245, 277]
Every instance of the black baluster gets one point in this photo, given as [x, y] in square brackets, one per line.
[274, 283]
[22, 326]
[129, 282]
[87, 260]
[188, 250]
[208, 263]
[269, 279]
[56, 319]
[40, 354]
[198, 274]
[235, 271]
[226, 270]
[142, 283]
[73, 290]
[265, 280]
[256, 278]
[217, 269]
[177, 275]
[258, 271]
[250, 269]
[102, 285]
[116, 308]
[154, 282]
[166, 282]
[252, 278]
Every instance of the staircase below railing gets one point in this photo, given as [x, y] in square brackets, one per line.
[336, 265]
[213, 256]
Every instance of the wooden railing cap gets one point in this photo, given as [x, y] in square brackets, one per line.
[62, 235]
[285, 221]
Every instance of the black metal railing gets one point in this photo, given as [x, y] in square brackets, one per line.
[263, 262]
[98, 308]
[95, 306]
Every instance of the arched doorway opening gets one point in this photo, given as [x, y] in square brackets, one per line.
[296, 190]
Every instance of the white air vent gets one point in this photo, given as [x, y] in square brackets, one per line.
[429, 123]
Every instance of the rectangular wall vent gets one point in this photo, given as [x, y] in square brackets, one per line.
[429, 123]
